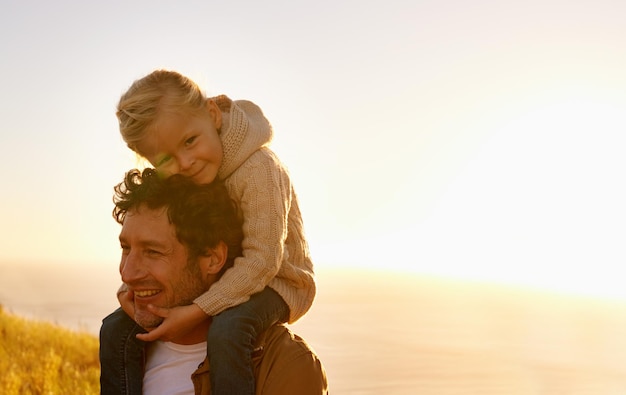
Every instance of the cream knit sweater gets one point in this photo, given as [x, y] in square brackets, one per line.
[275, 251]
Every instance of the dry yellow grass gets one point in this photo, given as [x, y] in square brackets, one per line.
[41, 358]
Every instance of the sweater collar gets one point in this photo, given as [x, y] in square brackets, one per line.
[244, 131]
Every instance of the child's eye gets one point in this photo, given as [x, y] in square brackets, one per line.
[190, 140]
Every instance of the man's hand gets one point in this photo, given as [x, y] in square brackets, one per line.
[178, 321]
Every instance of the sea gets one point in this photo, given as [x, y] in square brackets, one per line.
[397, 334]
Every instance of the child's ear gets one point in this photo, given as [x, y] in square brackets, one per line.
[215, 112]
[213, 261]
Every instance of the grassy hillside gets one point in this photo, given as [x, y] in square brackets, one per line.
[41, 358]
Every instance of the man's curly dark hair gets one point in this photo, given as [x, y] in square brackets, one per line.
[203, 215]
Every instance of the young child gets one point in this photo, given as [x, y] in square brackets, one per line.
[165, 118]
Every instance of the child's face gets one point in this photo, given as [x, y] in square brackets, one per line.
[187, 145]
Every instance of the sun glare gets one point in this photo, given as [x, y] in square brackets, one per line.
[535, 199]
[539, 203]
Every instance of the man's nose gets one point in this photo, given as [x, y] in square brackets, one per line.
[131, 268]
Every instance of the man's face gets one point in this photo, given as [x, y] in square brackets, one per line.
[155, 264]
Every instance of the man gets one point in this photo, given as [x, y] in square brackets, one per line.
[177, 239]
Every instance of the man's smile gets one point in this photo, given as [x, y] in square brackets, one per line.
[146, 293]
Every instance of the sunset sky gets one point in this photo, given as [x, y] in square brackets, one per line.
[482, 140]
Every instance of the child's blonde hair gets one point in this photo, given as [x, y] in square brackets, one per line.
[161, 90]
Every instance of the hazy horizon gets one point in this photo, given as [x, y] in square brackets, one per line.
[38, 290]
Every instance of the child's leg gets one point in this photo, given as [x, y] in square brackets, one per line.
[121, 355]
[231, 341]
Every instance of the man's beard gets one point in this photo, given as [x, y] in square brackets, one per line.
[185, 291]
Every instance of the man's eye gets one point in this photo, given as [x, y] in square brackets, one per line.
[125, 249]
[153, 252]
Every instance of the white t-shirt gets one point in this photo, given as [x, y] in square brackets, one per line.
[169, 367]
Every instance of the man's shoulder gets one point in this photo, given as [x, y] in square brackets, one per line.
[286, 364]
[280, 335]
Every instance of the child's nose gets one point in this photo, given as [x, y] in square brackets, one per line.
[185, 163]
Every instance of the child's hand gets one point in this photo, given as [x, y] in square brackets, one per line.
[127, 301]
[178, 322]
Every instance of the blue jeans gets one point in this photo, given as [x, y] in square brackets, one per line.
[230, 344]
[231, 339]
[122, 355]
